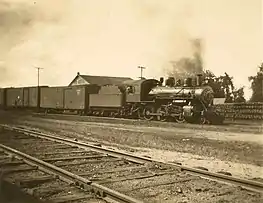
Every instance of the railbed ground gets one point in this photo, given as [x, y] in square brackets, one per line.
[238, 153]
[178, 186]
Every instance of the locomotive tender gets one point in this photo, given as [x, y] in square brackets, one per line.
[145, 99]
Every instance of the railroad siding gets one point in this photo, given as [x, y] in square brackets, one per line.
[52, 97]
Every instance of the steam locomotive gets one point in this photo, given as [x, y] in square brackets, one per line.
[191, 101]
[150, 99]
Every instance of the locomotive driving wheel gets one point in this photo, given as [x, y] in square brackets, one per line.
[161, 110]
[204, 120]
[147, 111]
[140, 113]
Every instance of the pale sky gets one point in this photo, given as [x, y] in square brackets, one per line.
[113, 37]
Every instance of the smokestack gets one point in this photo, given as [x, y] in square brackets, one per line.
[188, 82]
[161, 80]
[199, 79]
[172, 79]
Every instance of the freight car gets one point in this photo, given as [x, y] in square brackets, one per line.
[146, 99]
[20, 97]
[15, 97]
[64, 98]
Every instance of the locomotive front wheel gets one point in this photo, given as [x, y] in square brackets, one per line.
[112, 114]
[162, 117]
[180, 118]
[147, 111]
[140, 114]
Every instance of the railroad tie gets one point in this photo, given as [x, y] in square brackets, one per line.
[74, 158]
[70, 198]
[33, 181]
[8, 162]
[15, 170]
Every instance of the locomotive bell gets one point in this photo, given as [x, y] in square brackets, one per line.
[170, 82]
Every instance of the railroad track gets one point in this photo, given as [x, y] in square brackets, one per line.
[51, 183]
[107, 174]
[236, 126]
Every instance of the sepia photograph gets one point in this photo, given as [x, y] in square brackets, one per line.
[131, 101]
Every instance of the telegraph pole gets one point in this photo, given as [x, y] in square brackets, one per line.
[38, 68]
[38, 89]
[140, 67]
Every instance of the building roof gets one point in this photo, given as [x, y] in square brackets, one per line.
[98, 80]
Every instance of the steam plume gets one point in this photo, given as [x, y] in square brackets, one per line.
[188, 66]
[93, 37]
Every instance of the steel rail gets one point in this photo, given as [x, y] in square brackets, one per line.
[244, 183]
[103, 192]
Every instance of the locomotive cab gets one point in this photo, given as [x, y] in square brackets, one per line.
[136, 96]
[138, 90]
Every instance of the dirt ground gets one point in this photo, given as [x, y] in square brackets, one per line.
[216, 148]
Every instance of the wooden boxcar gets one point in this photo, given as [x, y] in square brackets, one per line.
[77, 97]
[15, 97]
[52, 97]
